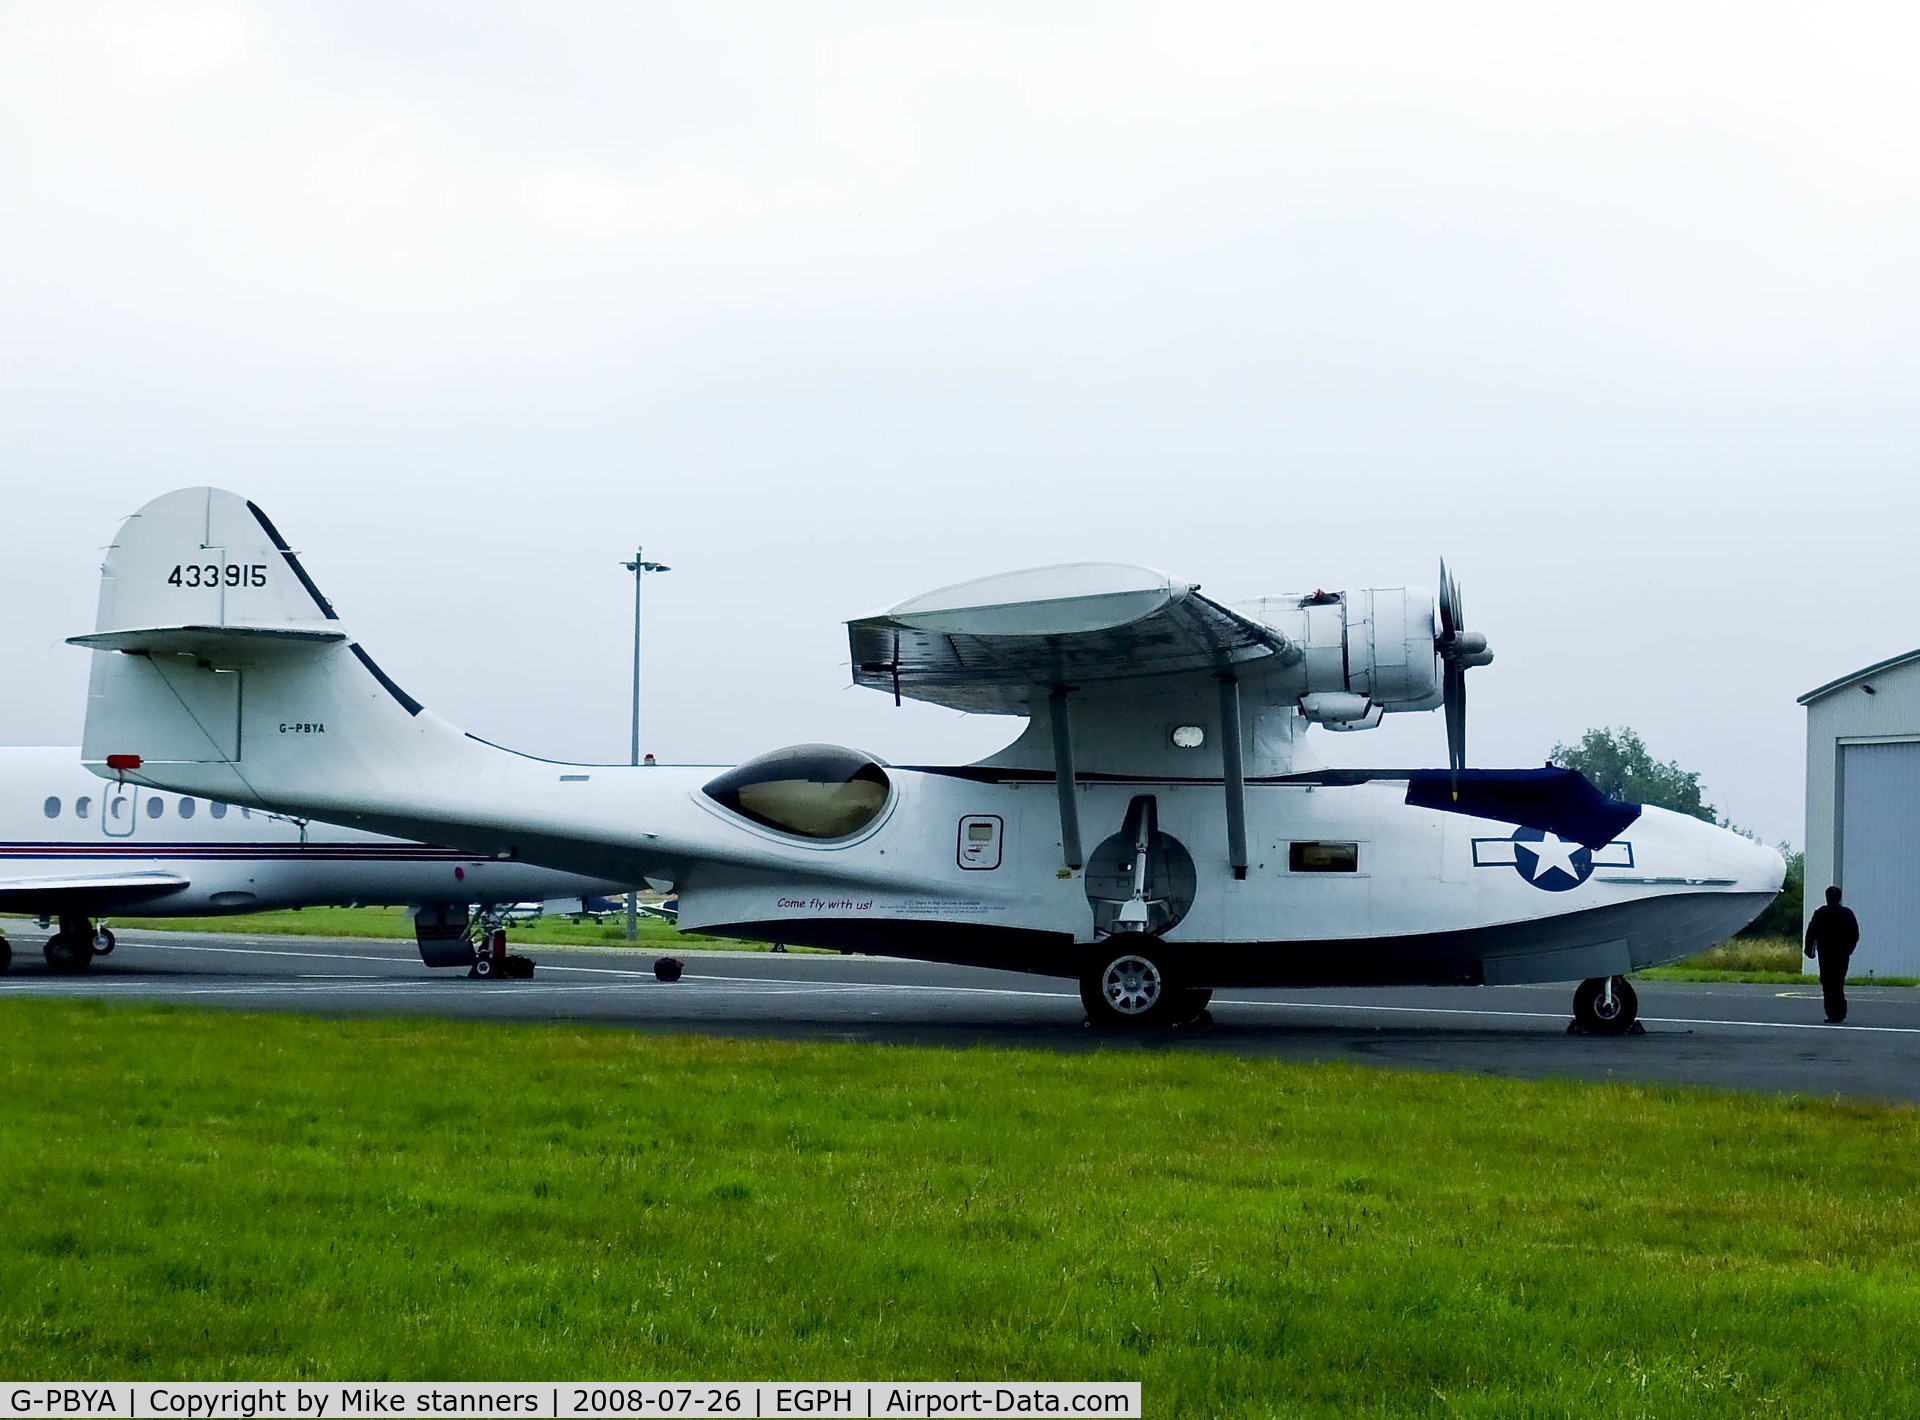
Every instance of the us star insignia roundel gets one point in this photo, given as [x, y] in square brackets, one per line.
[1547, 861]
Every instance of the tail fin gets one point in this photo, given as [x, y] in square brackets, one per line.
[216, 656]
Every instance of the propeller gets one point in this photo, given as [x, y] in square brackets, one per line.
[1458, 649]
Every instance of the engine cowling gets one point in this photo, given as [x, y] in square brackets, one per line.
[1361, 652]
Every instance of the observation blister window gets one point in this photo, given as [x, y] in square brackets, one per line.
[821, 792]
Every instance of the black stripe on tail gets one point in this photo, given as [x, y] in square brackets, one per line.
[293, 561]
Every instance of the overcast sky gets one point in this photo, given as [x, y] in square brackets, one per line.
[1614, 307]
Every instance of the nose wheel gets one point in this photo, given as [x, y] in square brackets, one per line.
[1605, 1005]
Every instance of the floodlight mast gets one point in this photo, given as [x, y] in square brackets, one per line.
[639, 567]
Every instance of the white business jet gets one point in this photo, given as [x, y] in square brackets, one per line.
[1159, 830]
[75, 850]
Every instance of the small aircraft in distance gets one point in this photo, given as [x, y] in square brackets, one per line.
[75, 850]
[1160, 829]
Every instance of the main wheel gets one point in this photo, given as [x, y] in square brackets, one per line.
[1129, 990]
[6, 954]
[483, 966]
[1602, 1012]
[103, 942]
[67, 955]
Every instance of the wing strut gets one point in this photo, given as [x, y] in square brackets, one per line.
[1234, 766]
[1063, 778]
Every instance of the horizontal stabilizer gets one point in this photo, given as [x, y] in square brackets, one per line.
[210, 642]
[1554, 800]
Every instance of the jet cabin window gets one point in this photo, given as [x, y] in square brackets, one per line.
[1323, 857]
[186, 808]
[51, 807]
[217, 809]
[156, 806]
[810, 791]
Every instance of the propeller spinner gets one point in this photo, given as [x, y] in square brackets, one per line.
[1458, 649]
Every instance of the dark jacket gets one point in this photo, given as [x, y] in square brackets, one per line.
[1833, 929]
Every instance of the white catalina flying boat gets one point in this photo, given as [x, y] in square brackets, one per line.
[1159, 830]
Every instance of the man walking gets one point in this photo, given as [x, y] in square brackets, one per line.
[1831, 937]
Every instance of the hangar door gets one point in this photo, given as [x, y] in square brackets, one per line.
[1879, 854]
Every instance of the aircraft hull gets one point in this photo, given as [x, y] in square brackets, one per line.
[1651, 933]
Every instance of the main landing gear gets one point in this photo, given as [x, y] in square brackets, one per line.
[1125, 987]
[1605, 1005]
[72, 949]
[1140, 883]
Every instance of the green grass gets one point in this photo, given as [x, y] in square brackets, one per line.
[1769, 960]
[211, 1195]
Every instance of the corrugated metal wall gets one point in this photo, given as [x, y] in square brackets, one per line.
[1880, 855]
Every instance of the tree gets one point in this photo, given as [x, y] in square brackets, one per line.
[1621, 767]
[1783, 915]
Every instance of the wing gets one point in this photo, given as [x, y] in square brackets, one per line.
[987, 646]
[99, 891]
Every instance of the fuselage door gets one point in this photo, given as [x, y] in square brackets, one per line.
[117, 808]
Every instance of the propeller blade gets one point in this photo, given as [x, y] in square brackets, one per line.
[1455, 699]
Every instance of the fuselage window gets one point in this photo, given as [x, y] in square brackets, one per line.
[1323, 857]
[186, 808]
[217, 809]
[81, 805]
[52, 806]
[156, 806]
[810, 791]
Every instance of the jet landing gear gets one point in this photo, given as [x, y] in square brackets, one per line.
[72, 949]
[1606, 1005]
[491, 958]
[448, 936]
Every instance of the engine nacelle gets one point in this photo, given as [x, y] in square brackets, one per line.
[1361, 652]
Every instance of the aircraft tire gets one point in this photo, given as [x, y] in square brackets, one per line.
[66, 956]
[483, 968]
[1128, 989]
[104, 942]
[519, 968]
[6, 954]
[1592, 1014]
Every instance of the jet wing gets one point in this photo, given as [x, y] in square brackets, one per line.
[99, 891]
[989, 645]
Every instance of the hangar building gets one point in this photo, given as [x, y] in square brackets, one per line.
[1863, 807]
